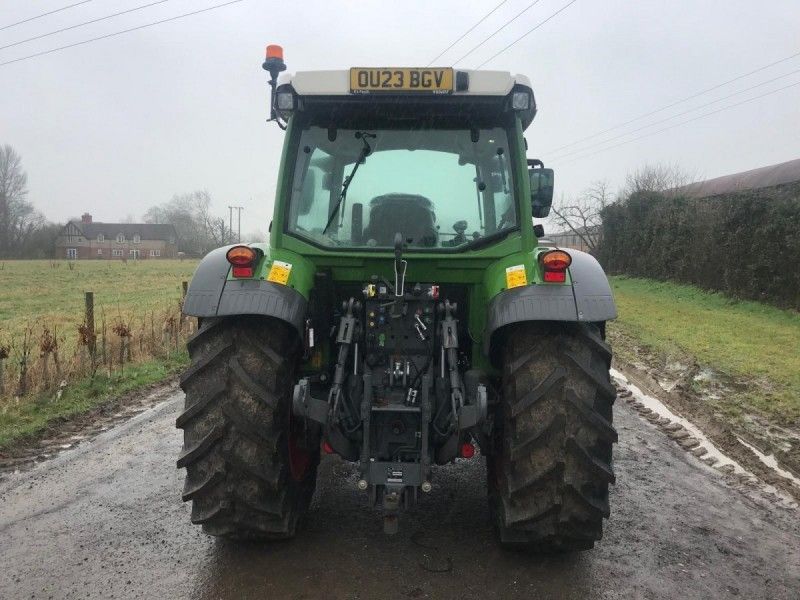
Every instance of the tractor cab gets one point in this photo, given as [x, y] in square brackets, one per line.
[435, 154]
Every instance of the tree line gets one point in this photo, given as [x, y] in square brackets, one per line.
[24, 232]
[742, 243]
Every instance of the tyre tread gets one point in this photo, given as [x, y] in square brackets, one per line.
[234, 422]
[549, 481]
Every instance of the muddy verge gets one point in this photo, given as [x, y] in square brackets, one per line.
[690, 390]
[65, 433]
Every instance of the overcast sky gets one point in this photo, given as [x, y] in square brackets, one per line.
[119, 125]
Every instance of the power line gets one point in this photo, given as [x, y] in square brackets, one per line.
[44, 14]
[682, 100]
[526, 34]
[713, 112]
[44, 35]
[467, 32]
[503, 26]
[116, 33]
[675, 116]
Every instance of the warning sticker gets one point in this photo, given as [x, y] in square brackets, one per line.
[516, 277]
[279, 272]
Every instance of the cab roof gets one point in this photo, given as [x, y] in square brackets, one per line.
[337, 83]
[484, 91]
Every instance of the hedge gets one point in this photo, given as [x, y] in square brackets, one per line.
[745, 244]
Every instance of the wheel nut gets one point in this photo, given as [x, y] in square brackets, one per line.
[426, 486]
[362, 484]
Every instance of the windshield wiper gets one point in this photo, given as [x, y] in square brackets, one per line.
[492, 237]
[362, 156]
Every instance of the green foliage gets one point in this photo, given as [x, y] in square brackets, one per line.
[745, 244]
[23, 419]
[753, 342]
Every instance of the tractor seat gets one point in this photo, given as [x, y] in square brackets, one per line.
[409, 214]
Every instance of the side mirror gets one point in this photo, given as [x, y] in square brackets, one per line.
[541, 191]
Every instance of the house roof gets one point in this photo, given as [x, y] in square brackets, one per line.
[787, 172]
[146, 231]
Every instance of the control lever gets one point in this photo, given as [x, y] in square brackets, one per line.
[420, 327]
[399, 266]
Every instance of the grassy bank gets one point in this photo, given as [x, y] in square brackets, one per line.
[28, 417]
[756, 344]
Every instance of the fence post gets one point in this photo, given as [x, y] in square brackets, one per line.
[92, 346]
[3, 356]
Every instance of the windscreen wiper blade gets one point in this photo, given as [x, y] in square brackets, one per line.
[492, 237]
[365, 151]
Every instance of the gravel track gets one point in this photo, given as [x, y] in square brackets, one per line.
[105, 520]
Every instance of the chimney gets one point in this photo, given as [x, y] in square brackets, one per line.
[86, 218]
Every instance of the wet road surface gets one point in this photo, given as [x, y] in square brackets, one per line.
[105, 520]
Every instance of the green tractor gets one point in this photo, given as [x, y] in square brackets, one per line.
[401, 314]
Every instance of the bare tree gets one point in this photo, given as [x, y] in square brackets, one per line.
[199, 231]
[582, 215]
[18, 219]
[662, 179]
[215, 229]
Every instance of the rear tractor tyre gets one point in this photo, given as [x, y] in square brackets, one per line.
[551, 462]
[250, 468]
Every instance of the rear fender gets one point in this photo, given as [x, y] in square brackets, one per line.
[212, 293]
[587, 299]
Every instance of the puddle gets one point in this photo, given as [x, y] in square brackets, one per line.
[771, 462]
[724, 462]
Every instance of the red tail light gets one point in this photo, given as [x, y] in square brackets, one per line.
[242, 271]
[467, 450]
[555, 264]
[241, 256]
[243, 260]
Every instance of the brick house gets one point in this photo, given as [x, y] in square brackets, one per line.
[86, 239]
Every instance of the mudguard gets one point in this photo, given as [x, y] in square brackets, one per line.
[212, 294]
[587, 299]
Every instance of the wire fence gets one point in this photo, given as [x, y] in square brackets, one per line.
[39, 361]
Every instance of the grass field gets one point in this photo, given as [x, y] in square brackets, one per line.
[39, 295]
[756, 343]
[36, 293]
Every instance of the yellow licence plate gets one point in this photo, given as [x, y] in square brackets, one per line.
[436, 81]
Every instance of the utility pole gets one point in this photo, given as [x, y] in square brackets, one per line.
[230, 224]
[238, 222]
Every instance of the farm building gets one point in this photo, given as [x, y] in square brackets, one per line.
[86, 239]
[763, 177]
[578, 239]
